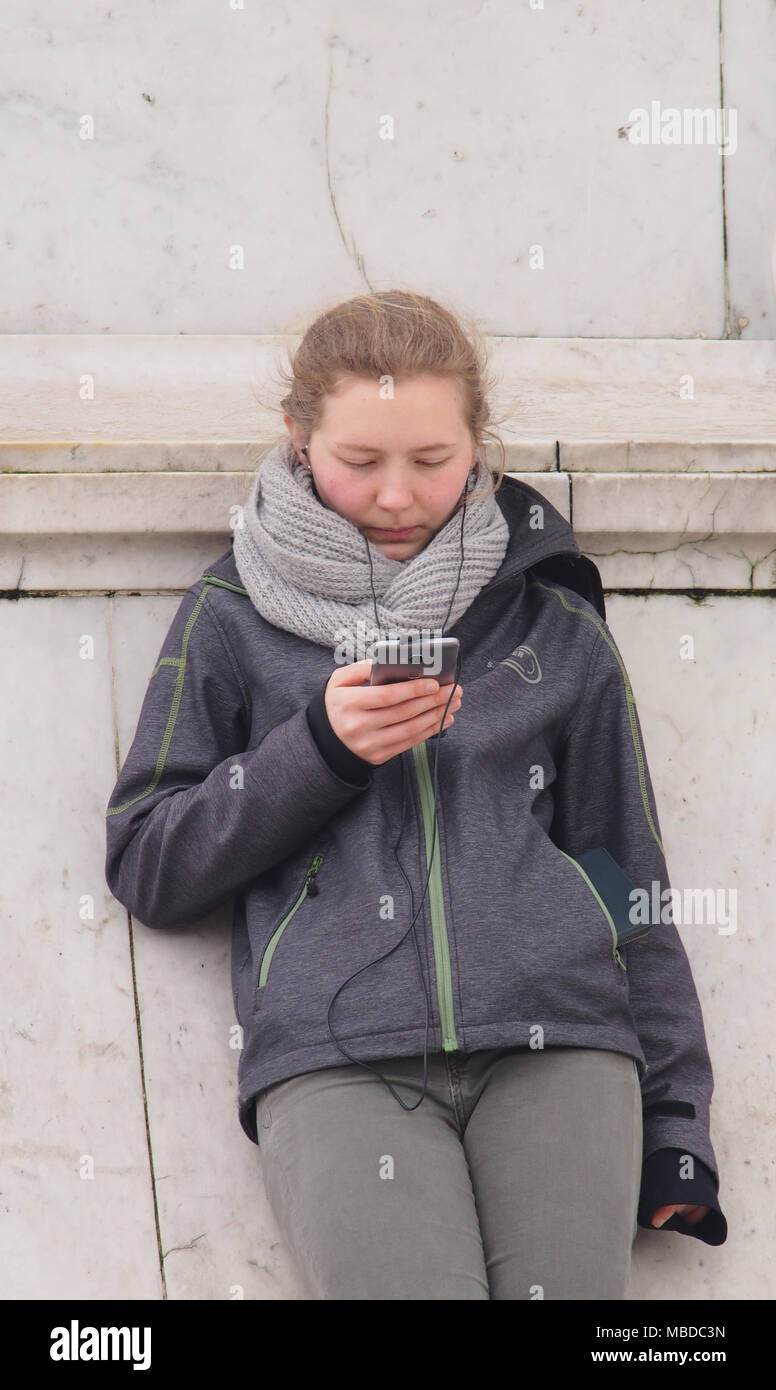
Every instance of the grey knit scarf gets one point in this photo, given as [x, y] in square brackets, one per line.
[307, 569]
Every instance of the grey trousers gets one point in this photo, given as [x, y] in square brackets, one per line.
[517, 1177]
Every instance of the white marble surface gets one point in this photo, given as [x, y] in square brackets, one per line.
[217, 1230]
[217, 128]
[710, 735]
[748, 62]
[661, 531]
[71, 1087]
[87, 402]
[145, 531]
[72, 1079]
[664, 450]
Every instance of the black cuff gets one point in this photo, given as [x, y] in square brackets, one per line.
[342, 761]
[662, 1186]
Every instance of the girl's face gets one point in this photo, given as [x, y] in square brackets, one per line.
[390, 464]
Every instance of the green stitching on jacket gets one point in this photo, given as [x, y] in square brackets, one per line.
[165, 661]
[631, 703]
[180, 662]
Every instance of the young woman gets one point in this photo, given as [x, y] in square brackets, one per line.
[473, 1054]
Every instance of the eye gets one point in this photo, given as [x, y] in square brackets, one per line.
[425, 463]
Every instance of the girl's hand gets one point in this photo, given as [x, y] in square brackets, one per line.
[692, 1214]
[378, 721]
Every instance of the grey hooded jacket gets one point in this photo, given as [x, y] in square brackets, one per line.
[237, 788]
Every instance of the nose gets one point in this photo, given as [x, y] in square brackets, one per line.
[394, 492]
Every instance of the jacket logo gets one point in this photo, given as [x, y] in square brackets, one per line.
[525, 662]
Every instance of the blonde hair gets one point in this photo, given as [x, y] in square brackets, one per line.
[395, 333]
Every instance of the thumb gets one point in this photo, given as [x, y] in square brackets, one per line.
[354, 674]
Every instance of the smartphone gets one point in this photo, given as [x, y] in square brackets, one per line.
[615, 887]
[391, 664]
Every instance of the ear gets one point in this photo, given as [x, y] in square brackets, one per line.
[296, 435]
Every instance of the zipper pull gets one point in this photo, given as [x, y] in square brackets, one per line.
[312, 886]
[619, 958]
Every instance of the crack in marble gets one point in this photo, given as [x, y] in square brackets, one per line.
[352, 250]
[190, 1245]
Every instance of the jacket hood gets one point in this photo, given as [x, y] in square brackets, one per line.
[551, 552]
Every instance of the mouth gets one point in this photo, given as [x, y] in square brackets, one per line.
[394, 535]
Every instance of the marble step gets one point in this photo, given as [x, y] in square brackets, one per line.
[86, 402]
[123, 458]
[145, 531]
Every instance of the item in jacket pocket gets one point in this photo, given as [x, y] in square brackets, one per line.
[391, 662]
[614, 886]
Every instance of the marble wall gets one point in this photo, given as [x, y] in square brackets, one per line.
[228, 168]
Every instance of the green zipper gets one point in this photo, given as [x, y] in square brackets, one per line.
[308, 886]
[437, 902]
[222, 583]
[616, 952]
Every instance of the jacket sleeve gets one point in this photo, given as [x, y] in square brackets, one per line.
[604, 797]
[664, 1182]
[195, 814]
[340, 758]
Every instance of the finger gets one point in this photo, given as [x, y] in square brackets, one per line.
[439, 694]
[424, 724]
[404, 694]
[689, 1212]
[358, 673]
[662, 1215]
[695, 1214]
[416, 730]
[416, 714]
